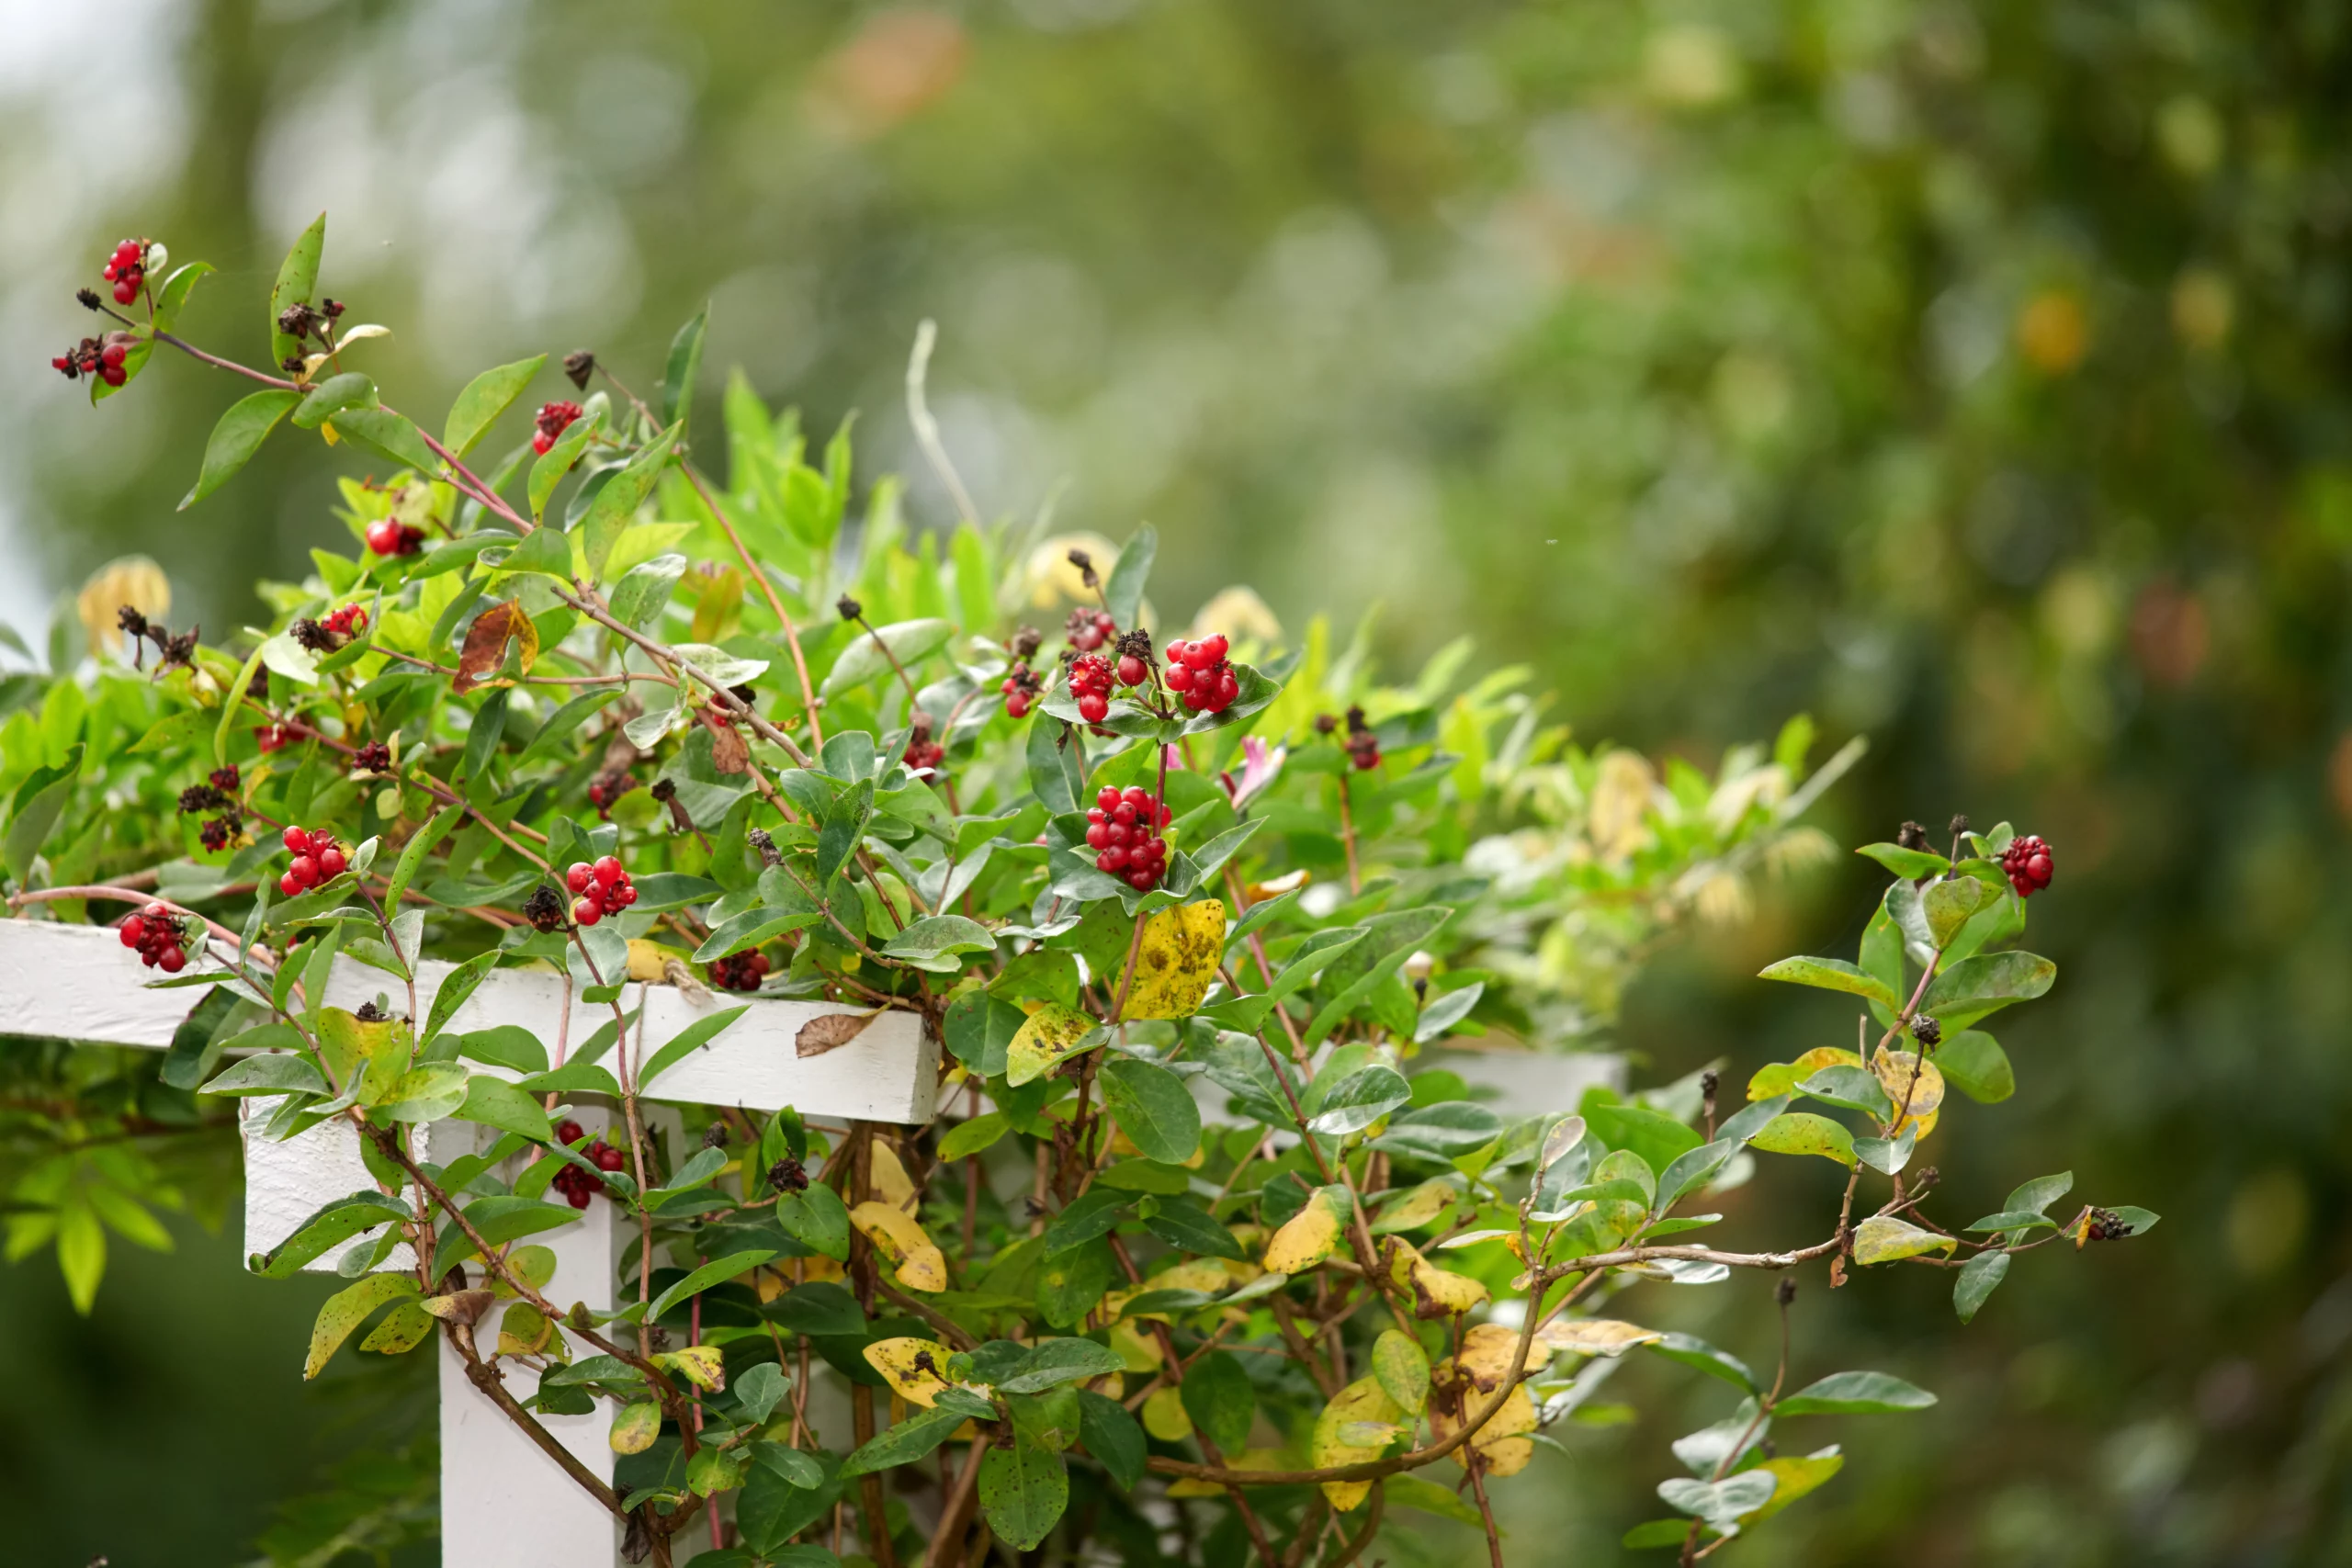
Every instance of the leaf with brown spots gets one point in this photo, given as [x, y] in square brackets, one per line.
[486, 640]
[917, 1368]
[830, 1032]
[1176, 961]
[730, 753]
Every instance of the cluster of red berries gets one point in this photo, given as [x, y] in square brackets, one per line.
[1123, 828]
[317, 858]
[740, 971]
[1364, 746]
[554, 420]
[274, 737]
[374, 757]
[1021, 688]
[127, 270]
[924, 756]
[102, 357]
[576, 1185]
[346, 623]
[155, 932]
[598, 890]
[1198, 674]
[2026, 863]
[388, 538]
[1089, 682]
[1090, 629]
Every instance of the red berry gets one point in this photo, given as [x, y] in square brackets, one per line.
[584, 912]
[297, 839]
[1180, 678]
[1112, 859]
[1098, 837]
[171, 960]
[331, 863]
[609, 1159]
[1133, 672]
[625, 895]
[134, 932]
[568, 1131]
[1228, 686]
[1197, 656]
[1108, 798]
[579, 877]
[576, 1196]
[383, 536]
[1142, 881]
[2027, 863]
[304, 870]
[1017, 705]
[289, 886]
[1094, 708]
[1215, 645]
[607, 869]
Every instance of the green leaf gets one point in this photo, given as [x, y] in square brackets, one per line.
[486, 397]
[1855, 1393]
[350, 390]
[759, 1390]
[39, 801]
[235, 437]
[969, 1138]
[1979, 1277]
[389, 435]
[1697, 1354]
[193, 1053]
[692, 1038]
[821, 1308]
[1833, 974]
[1257, 692]
[268, 1074]
[1402, 1369]
[615, 504]
[558, 460]
[816, 1219]
[750, 928]
[1220, 1399]
[298, 280]
[328, 1225]
[908, 641]
[546, 552]
[1360, 1099]
[978, 1028]
[1658, 1138]
[1412, 1492]
[426, 1093]
[1184, 1225]
[1973, 1063]
[1057, 759]
[1950, 904]
[346, 1308]
[1910, 864]
[494, 1102]
[171, 299]
[508, 1045]
[1448, 1130]
[1023, 1490]
[716, 1272]
[1059, 1360]
[909, 1441]
[1123, 594]
[643, 591]
[404, 872]
[1883, 1238]
[1986, 983]
[1112, 1436]
[1154, 1108]
[934, 942]
[2033, 1197]
[1093, 1212]
[2013, 1220]
[1854, 1088]
[684, 362]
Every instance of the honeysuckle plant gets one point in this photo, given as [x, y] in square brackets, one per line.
[1209, 1254]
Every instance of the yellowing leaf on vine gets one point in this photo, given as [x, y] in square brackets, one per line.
[1797, 1477]
[1164, 1416]
[1312, 1235]
[702, 1365]
[345, 1310]
[399, 1330]
[1210, 1275]
[648, 960]
[1138, 1351]
[1782, 1078]
[1436, 1292]
[524, 1331]
[887, 1174]
[1362, 1401]
[1500, 1441]
[484, 650]
[534, 1265]
[1883, 1238]
[1178, 958]
[1052, 1034]
[1594, 1336]
[133, 580]
[897, 1238]
[1419, 1207]
[1486, 1353]
[917, 1369]
[1896, 1070]
[1803, 1132]
[635, 1428]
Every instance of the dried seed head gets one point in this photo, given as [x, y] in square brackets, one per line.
[850, 608]
[580, 365]
[1786, 1291]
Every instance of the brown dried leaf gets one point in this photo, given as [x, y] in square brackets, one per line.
[830, 1032]
[459, 1306]
[730, 753]
[485, 646]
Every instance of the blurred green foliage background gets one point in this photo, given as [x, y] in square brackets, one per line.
[1974, 375]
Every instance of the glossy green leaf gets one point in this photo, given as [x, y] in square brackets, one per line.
[236, 437]
[1153, 1108]
[486, 397]
[298, 282]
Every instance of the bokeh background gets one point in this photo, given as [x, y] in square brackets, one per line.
[1971, 375]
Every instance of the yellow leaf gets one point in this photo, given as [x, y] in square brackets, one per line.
[1053, 1031]
[1436, 1292]
[401, 1329]
[1139, 1351]
[1456, 1395]
[1883, 1238]
[1803, 1132]
[524, 1331]
[897, 1238]
[1419, 1207]
[646, 959]
[1181, 949]
[917, 1368]
[1780, 1077]
[1486, 1353]
[1594, 1336]
[1362, 1401]
[887, 1174]
[1309, 1237]
[1896, 1070]
[702, 1365]
[134, 581]
[635, 1428]
[1164, 1416]
[345, 1310]
[1798, 1476]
